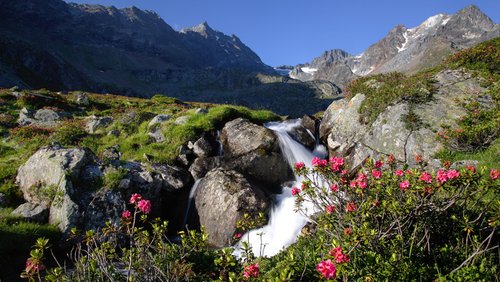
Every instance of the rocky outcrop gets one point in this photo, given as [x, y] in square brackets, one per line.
[95, 123]
[67, 183]
[41, 117]
[32, 212]
[344, 135]
[254, 151]
[222, 198]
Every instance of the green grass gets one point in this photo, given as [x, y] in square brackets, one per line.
[490, 157]
[17, 236]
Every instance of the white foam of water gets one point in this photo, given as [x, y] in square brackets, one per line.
[285, 224]
[190, 200]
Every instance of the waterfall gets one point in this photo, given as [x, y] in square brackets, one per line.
[285, 224]
[190, 200]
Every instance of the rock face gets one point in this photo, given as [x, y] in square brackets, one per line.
[46, 178]
[32, 212]
[95, 123]
[344, 135]
[405, 49]
[66, 182]
[42, 117]
[222, 198]
[254, 151]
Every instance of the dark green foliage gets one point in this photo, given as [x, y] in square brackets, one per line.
[484, 57]
[69, 133]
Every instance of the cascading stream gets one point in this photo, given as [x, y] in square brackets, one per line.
[285, 224]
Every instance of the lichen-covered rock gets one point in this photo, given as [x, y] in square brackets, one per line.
[159, 119]
[201, 166]
[32, 212]
[95, 123]
[203, 148]
[392, 132]
[42, 117]
[173, 178]
[254, 151]
[222, 198]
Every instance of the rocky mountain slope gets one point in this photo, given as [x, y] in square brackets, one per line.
[405, 49]
[60, 46]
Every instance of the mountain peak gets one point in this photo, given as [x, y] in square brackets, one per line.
[203, 29]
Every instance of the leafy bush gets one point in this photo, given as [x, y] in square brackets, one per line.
[69, 133]
[392, 224]
[483, 57]
[384, 224]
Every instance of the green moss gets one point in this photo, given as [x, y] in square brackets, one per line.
[383, 90]
[69, 133]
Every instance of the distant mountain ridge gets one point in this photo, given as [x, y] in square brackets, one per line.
[98, 47]
[404, 49]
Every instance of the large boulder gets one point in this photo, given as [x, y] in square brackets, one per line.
[391, 132]
[254, 151]
[94, 123]
[173, 178]
[48, 176]
[222, 198]
[201, 166]
[32, 212]
[41, 117]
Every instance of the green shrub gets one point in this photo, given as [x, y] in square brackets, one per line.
[483, 57]
[112, 178]
[69, 133]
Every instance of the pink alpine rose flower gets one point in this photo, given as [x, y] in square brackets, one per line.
[317, 162]
[135, 198]
[362, 184]
[327, 269]
[251, 270]
[334, 187]
[399, 172]
[442, 176]
[330, 209]
[494, 174]
[376, 174]
[295, 191]
[299, 165]
[338, 255]
[426, 177]
[404, 185]
[452, 174]
[126, 214]
[144, 206]
[378, 164]
[350, 207]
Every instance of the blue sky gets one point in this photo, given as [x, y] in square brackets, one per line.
[296, 31]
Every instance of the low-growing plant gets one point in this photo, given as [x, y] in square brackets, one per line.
[394, 224]
[113, 177]
[70, 133]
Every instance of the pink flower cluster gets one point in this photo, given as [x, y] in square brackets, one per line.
[494, 174]
[443, 175]
[143, 205]
[327, 269]
[426, 177]
[338, 255]
[330, 209]
[334, 187]
[336, 163]
[378, 164]
[126, 214]
[251, 270]
[295, 191]
[351, 206]
[404, 185]
[399, 172]
[376, 173]
[299, 165]
[32, 266]
[317, 162]
[360, 181]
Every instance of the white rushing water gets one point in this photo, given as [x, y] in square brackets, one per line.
[285, 224]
